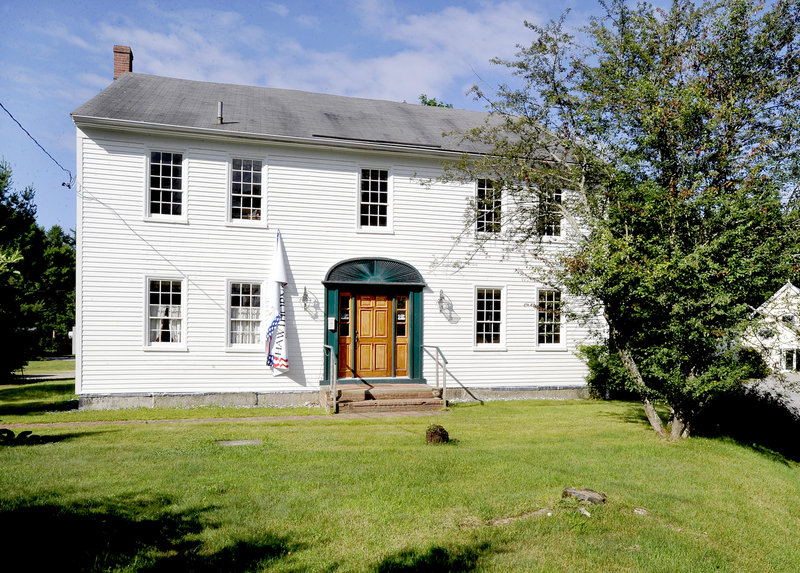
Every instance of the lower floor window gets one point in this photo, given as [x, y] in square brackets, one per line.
[245, 313]
[791, 359]
[165, 316]
[488, 316]
[549, 319]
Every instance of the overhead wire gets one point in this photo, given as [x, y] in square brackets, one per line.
[68, 184]
[81, 191]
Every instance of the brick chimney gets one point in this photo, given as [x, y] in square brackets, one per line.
[123, 60]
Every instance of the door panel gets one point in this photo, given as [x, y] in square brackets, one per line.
[374, 336]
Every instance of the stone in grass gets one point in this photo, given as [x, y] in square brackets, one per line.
[585, 495]
[436, 434]
[230, 443]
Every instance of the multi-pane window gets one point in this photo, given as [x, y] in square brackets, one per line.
[164, 312]
[166, 183]
[401, 316]
[488, 316]
[246, 189]
[549, 323]
[549, 222]
[374, 202]
[245, 313]
[791, 359]
[488, 207]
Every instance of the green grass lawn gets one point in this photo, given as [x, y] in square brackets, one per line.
[331, 494]
[47, 366]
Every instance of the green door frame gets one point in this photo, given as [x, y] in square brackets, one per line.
[375, 275]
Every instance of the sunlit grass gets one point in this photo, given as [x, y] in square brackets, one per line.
[370, 495]
[55, 401]
[47, 366]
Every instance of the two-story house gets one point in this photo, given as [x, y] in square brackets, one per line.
[182, 189]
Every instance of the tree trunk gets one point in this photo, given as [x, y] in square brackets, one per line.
[630, 365]
[679, 428]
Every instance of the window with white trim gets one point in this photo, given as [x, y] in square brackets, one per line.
[549, 317]
[165, 312]
[549, 222]
[791, 359]
[374, 198]
[488, 203]
[166, 183]
[245, 313]
[489, 316]
[246, 190]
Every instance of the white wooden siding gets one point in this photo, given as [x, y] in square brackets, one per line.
[311, 196]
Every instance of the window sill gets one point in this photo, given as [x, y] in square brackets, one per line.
[374, 231]
[182, 220]
[490, 348]
[551, 348]
[165, 347]
[246, 223]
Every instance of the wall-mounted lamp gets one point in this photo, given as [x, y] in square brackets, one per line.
[304, 298]
[442, 300]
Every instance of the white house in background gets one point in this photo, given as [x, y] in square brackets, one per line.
[777, 335]
[183, 187]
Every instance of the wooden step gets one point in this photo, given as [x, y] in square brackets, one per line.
[384, 398]
[393, 405]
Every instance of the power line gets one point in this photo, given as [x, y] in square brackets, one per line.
[67, 171]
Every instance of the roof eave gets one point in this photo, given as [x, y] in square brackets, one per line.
[211, 133]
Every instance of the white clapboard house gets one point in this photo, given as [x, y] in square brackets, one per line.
[183, 188]
[777, 334]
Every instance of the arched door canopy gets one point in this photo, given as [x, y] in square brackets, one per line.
[373, 271]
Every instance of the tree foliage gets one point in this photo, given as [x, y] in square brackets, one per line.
[37, 280]
[674, 136]
[433, 102]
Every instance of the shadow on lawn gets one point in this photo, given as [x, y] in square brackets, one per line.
[138, 535]
[33, 398]
[456, 559]
[760, 422]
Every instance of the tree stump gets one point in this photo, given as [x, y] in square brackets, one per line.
[585, 495]
[436, 434]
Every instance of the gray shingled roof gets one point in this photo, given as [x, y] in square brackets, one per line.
[268, 112]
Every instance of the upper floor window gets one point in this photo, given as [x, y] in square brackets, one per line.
[374, 198]
[165, 311]
[791, 359]
[246, 194]
[166, 183]
[489, 206]
[245, 313]
[488, 316]
[549, 221]
[549, 319]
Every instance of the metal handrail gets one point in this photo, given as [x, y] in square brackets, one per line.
[444, 368]
[333, 376]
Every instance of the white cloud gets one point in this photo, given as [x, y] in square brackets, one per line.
[434, 53]
[60, 32]
[278, 9]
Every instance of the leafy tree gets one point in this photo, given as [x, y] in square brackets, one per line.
[22, 245]
[433, 102]
[57, 292]
[37, 280]
[674, 137]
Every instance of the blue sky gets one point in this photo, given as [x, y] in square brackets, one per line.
[56, 55]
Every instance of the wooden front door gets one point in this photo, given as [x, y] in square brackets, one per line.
[373, 335]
